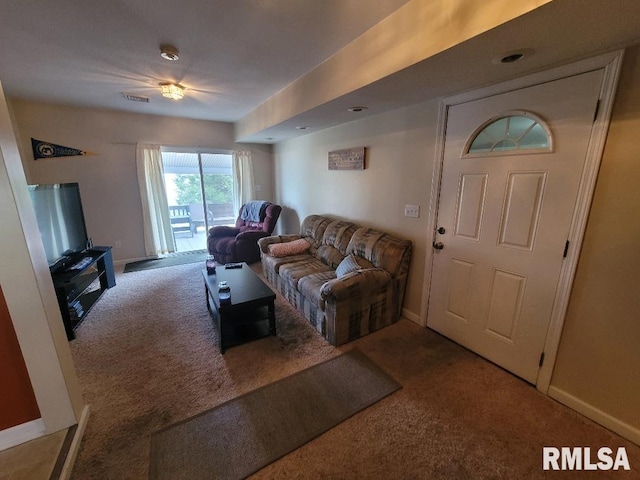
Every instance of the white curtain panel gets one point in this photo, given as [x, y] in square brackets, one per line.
[158, 238]
[243, 183]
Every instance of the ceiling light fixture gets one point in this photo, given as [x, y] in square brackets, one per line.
[174, 91]
[169, 52]
[357, 109]
[303, 127]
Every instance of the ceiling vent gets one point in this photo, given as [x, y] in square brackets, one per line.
[136, 98]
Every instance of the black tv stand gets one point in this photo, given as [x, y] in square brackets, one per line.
[78, 289]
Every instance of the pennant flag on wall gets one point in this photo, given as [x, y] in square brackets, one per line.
[51, 150]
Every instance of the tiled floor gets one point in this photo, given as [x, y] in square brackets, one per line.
[33, 460]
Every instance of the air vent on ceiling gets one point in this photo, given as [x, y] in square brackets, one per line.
[136, 98]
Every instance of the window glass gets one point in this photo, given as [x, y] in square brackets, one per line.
[510, 134]
[187, 175]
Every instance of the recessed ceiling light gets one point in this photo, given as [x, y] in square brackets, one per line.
[357, 109]
[512, 56]
[169, 52]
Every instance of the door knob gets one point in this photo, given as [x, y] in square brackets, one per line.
[438, 245]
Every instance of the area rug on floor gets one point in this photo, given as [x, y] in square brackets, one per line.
[168, 261]
[247, 433]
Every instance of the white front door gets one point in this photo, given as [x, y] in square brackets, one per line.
[505, 217]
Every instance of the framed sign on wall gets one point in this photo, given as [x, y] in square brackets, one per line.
[347, 159]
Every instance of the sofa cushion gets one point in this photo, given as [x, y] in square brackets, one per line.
[348, 265]
[293, 272]
[310, 286]
[274, 263]
[312, 230]
[337, 234]
[352, 263]
[288, 248]
[335, 241]
[329, 255]
[381, 249]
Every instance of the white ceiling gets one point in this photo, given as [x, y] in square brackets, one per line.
[235, 54]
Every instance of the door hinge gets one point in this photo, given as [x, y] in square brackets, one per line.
[566, 249]
[595, 114]
[541, 359]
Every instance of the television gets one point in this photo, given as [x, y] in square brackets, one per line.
[60, 220]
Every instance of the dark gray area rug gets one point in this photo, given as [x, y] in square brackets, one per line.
[247, 433]
[168, 261]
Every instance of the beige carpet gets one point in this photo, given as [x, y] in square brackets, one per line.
[147, 357]
[243, 435]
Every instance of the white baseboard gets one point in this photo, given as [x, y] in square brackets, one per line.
[75, 445]
[20, 434]
[409, 315]
[623, 429]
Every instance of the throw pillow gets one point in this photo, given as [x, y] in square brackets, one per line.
[346, 266]
[288, 248]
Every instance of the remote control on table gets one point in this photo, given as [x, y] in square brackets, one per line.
[233, 265]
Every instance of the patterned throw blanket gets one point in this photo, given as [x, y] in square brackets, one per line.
[254, 211]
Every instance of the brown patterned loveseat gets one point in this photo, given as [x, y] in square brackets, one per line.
[367, 296]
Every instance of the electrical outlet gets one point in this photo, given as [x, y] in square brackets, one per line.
[412, 211]
[118, 244]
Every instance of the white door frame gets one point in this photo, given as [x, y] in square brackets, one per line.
[611, 62]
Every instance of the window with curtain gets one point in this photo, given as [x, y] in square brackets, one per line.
[200, 193]
[185, 191]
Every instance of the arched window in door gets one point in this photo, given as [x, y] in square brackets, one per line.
[511, 133]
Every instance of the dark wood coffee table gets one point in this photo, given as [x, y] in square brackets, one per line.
[249, 314]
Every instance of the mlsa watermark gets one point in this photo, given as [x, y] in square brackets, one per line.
[583, 458]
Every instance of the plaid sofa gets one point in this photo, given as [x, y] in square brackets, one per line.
[341, 309]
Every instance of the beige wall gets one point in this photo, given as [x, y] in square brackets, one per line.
[108, 180]
[26, 284]
[599, 356]
[400, 147]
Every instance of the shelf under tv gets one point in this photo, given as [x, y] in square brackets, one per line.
[78, 289]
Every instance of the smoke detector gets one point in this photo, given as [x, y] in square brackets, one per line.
[169, 52]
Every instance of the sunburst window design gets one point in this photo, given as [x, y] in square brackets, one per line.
[514, 133]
